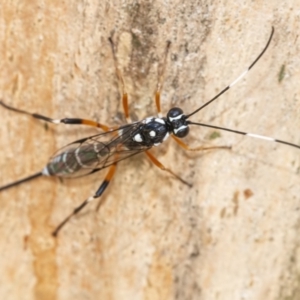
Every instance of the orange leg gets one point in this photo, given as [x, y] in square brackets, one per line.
[161, 73]
[70, 121]
[186, 147]
[120, 77]
[162, 167]
[99, 192]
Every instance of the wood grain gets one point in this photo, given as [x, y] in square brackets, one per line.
[234, 235]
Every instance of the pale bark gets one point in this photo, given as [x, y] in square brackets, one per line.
[234, 234]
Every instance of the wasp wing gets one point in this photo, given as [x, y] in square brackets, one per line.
[94, 153]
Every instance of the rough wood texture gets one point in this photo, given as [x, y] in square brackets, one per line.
[235, 234]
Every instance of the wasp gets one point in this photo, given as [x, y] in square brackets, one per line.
[106, 149]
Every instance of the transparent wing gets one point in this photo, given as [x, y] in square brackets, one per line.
[96, 152]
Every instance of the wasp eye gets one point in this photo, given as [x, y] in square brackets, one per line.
[182, 131]
[174, 113]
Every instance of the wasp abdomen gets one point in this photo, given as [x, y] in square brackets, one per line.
[72, 160]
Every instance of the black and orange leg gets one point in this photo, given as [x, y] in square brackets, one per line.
[163, 168]
[70, 121]
[188, 148]
[161, 72]
[99, 192]
[121, 79]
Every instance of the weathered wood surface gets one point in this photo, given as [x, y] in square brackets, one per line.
[235, 234]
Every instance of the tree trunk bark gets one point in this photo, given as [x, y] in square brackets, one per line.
[234, 234]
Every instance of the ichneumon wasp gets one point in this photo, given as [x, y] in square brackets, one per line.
[105, 150]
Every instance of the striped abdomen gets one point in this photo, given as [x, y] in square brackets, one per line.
[77, 160]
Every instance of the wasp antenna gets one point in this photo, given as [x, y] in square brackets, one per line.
[253, 135]
[237, 79]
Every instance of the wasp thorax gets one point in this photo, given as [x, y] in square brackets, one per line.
[151, 132]
[177, 122]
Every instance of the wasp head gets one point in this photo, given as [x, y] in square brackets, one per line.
[177, 122]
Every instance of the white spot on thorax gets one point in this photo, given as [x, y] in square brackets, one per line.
[138, 138]
[152, 133]
[161, 121]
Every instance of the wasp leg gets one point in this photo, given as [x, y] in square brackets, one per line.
[162, 167]
[186, 147]
[161, 72]
[121, 80]
[71, 121]
[99, 192]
